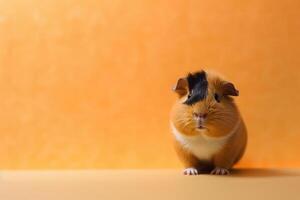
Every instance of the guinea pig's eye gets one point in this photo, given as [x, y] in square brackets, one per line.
[217, 97]
[190, 94]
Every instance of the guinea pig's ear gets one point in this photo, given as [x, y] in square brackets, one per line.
[229, 89]
[181, 87]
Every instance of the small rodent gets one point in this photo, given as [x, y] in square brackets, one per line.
[209, 132]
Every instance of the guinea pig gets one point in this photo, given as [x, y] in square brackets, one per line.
[209, 132]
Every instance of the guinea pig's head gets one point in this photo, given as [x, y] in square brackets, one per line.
[205, 105]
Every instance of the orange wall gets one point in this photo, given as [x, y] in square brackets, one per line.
[86, 84]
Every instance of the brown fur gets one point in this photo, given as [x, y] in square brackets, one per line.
[222, 117]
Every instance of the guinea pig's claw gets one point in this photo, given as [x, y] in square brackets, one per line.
[190, 171]
[220, 171]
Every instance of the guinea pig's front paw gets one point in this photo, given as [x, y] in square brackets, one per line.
[190, 171]
[220, 171]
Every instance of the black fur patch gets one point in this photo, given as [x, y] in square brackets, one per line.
[197, 87]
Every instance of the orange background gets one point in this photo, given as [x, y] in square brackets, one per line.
[86, 84]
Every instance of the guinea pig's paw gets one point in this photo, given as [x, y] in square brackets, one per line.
[220, 171]
[190, 171]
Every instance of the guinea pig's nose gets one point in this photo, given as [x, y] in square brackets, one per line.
[200, 119]
[200, 115]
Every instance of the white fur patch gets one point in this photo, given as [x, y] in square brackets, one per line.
[202, 146]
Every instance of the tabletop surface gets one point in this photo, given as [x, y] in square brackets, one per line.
[149, 184]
